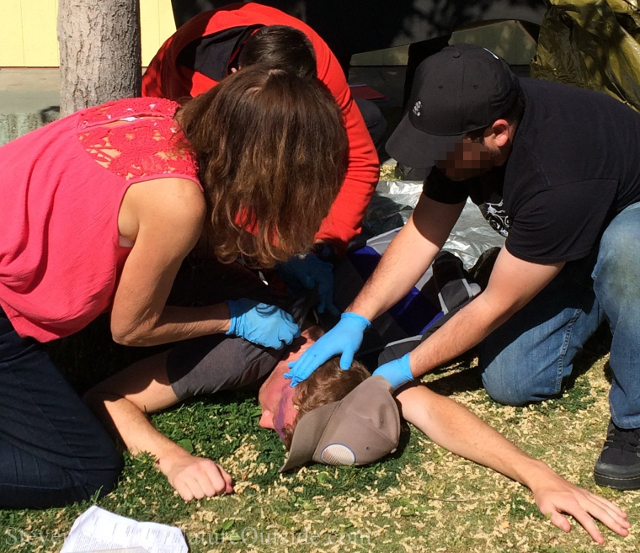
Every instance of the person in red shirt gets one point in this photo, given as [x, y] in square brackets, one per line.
[215, 43]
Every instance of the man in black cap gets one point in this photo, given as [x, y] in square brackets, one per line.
[556, 170]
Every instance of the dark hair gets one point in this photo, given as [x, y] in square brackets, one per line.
[282, 47]
[327, 384]
[513, 115]
[272, 155]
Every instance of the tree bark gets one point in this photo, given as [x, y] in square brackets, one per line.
[99, 52]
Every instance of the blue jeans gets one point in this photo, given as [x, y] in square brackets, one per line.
[528, 358]
[53, 451]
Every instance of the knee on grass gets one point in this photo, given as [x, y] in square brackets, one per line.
[100, 473]
[513, 391]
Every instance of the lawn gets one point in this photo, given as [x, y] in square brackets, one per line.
[421, 499]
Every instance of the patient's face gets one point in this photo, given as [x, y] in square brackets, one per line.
[276, 396]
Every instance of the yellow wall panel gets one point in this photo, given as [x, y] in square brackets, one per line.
[156, 19]
[149, 29]
[39, 25]
[167, 22]
[11, 39]
[28, 31]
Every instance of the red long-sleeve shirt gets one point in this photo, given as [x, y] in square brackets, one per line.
[167, 78]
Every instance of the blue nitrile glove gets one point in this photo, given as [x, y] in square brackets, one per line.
[397, 372]
[300, 273]
[344, 338]
[262, 324]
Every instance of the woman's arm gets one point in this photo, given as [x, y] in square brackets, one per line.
[163, 218]
[455, 428]
[122, 403]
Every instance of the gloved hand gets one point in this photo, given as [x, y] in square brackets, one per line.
[397, 372]
[262, 324]
[307, 273]
[344, 338]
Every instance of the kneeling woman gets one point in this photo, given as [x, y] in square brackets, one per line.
[100, 208]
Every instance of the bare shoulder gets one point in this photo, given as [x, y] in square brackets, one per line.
[165, 202]
[171, 194]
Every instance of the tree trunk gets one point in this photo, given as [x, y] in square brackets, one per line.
[99, 52]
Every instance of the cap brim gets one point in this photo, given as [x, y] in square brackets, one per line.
[307, 435]
[415, 148]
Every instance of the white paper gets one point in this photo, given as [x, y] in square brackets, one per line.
[119, 550]
[97, 530]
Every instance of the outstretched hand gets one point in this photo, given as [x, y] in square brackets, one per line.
[555, 497]
[195, 477]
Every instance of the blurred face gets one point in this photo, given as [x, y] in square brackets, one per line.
[467, 160]
[471, 158]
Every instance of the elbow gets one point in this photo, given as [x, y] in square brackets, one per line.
[125, 338]
[96, 399]
[130, 335]
[136, 339]
[507, 311]
[128, 330]
[496, 311]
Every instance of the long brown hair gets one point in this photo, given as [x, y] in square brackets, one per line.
[272, 150]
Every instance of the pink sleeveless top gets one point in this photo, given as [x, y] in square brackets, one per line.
[61, 187]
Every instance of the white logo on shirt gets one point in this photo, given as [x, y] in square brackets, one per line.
[497, 217]
[416, 108]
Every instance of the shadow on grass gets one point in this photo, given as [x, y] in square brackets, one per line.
[575, 392]
[89, 356]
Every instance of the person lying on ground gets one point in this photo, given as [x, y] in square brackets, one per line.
[217, 363]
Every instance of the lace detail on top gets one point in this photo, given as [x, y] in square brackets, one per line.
[136, 138]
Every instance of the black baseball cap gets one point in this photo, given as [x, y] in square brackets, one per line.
[462, 88]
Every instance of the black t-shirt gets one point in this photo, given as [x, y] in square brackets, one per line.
[214, 54]
[574, 165]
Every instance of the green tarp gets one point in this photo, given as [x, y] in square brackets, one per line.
[592, 44]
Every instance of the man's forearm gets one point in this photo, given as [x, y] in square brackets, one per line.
[455, 428]
[464, 330]
[407, 257]
[125, 421]
[403, 263]
[513, 284]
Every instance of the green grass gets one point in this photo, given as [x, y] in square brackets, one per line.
[422, 498]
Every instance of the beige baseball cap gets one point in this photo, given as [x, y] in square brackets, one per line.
[359, 429]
